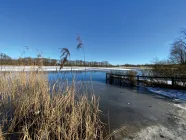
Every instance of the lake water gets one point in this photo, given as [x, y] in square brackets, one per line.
[124, 106]
[95, 77]
[98, 76]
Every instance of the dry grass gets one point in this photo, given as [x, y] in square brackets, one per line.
[1, 135]
[132, 77]
[30, 108]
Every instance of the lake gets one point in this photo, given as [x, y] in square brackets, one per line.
[98, 76]
[134, 107]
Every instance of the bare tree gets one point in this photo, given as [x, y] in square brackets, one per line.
[183, 31]
[178, 50]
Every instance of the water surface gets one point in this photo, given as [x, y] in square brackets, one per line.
[134, 107]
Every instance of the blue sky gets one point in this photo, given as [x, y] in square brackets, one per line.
[119, 31]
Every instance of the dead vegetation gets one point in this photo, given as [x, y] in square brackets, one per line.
[132, 77]
[31, 108]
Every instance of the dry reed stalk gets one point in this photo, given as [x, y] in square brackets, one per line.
[114, 133]
[30, 112]
[65, 53]
[1, 134]
[132, 75]
[80, 46]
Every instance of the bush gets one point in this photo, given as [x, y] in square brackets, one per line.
[132, 77]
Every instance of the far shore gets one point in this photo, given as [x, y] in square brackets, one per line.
[66, 68]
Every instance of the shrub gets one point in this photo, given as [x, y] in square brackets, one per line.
[132, 77]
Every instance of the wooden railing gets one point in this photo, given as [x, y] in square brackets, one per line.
[110, 77]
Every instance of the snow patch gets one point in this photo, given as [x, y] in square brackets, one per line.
[157, 133]
[174, 94]
[182, 106]
[54, 68]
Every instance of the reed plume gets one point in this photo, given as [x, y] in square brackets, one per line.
[80, 43]
[65, 53]
[80, 46]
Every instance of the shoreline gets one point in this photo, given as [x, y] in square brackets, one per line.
[56, 68]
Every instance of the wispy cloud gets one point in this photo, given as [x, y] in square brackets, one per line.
[125, 17]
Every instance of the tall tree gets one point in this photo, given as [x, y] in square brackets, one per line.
[178, 50]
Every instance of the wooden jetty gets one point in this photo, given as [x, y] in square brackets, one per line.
[121, 79]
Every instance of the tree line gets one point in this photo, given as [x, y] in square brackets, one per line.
[29, 61]
[175, 65]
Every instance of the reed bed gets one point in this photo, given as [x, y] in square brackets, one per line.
[33, 109]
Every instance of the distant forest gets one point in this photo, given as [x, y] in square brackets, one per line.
[38, 61]
[29, 61]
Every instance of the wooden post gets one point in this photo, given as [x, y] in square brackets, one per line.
[173, 81]
[106, 78]
[138, 80]
[120, 81]
[111, 79]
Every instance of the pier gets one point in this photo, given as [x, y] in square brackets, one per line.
[172, 82]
